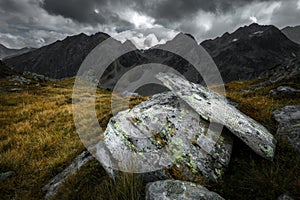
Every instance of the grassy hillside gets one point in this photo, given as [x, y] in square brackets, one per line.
[38, 140]
[37, 135]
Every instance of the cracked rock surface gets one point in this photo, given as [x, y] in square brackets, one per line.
[288, 118]
[174, 189]
[213, 106]
[162, 132]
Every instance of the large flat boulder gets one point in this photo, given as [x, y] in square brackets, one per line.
[181, 190]
[215, 107]
[161, 133]
[288, 118]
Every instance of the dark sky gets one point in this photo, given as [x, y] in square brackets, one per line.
[39, 22]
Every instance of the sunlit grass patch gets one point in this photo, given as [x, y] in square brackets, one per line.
[38, 140]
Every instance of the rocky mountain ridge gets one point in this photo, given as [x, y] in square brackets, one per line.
[293, 33]
[7, 52]
[248, 53]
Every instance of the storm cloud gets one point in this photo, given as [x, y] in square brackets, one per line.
[39, 22]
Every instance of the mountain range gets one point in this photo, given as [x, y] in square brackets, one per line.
[244, 54]
[7, 52]
[58, 60]
[251, 50]
[293, 33]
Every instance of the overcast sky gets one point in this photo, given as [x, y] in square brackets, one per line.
[39, 22]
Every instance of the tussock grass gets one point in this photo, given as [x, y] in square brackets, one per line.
[92, 182]
[249, 176]
[258, 103]
[38, 140]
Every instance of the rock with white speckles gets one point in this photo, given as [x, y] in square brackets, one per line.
[213, 106]
[285, 197]
[288, 118]
[161, 133]
[285, 91]
[181, 190]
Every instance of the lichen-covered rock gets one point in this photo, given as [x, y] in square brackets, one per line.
[181, 190]
[289, 124]
[214, 107]
[160, 133]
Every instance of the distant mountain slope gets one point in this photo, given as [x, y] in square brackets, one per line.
[242, 55]
[6, 71]
[251, 50]
[6, 52]
[63, 59]
[293, 33]
[60, 59]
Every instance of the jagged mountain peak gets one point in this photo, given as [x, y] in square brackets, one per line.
[129, 44]
[293, 33]
[250, 50]
[247, 32]
[243, 54]
[60, 59]
[182, 34]
[2, 46]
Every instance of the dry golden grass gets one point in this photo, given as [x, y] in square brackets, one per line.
[259, 104]
[38, 140]
[249, 176]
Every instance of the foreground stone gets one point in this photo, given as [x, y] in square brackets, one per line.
[214, 107]
[284, 91]
[6, 175]
[289, 124]
[181, 190]
[161, 133]
[285, 197]
[53, 186]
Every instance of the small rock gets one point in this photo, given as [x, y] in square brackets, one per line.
[283, 91]
[129, 94]
[57, 85]
[16, 89]
[39, 77]
[246, 91]
[91, 77]
[21, 80]
[6, 175]
[52, 187]
[289, 124]
[284, 197]
[181, 190]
